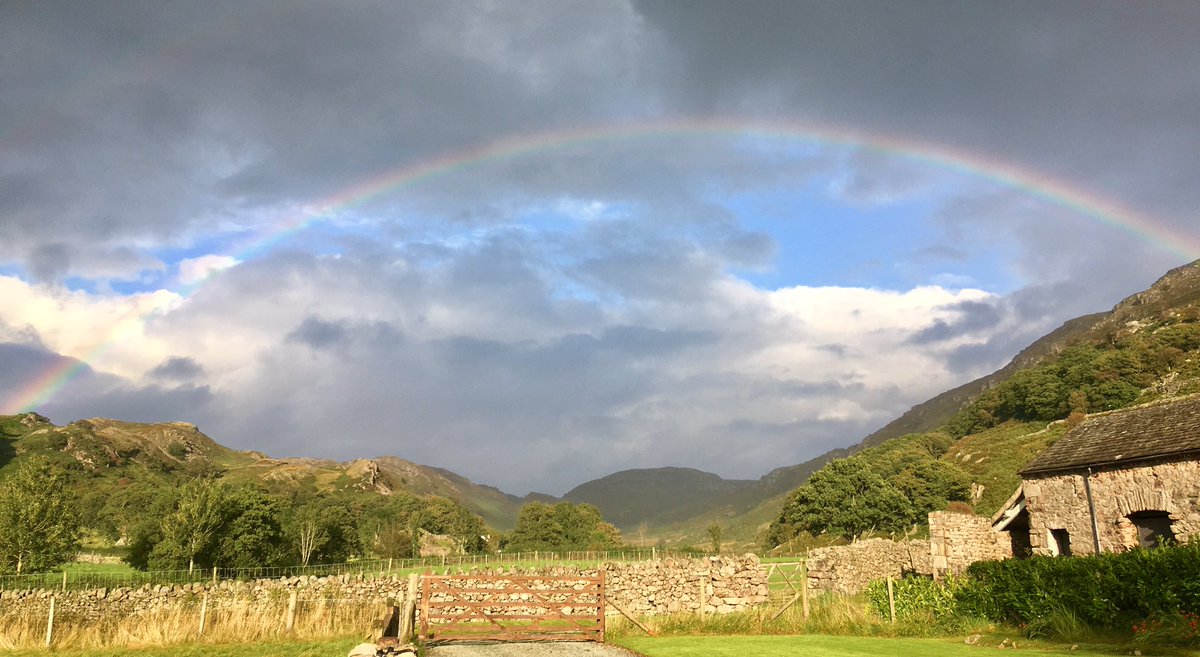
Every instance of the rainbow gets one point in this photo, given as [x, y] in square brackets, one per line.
[1036, 184]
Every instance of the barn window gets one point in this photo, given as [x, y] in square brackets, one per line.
[1153, 527]
[1060, 542]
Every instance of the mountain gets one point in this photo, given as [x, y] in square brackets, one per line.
[101, 454]
[991, 457]
[660, 496]
[1176, 289]
[1157, 330]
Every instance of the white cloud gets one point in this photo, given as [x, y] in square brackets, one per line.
[107, 330]
[195, 270]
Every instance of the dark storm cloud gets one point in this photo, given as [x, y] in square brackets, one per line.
[455, 335]
[972, 316]
[177, 368]
[87, 393]
[1101, 93]
[243, 106]
[50, 262]
[318, 333]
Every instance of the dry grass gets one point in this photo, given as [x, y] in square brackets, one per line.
[830, 614]
[236, 622]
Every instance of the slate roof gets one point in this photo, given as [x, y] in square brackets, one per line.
[1136, 434]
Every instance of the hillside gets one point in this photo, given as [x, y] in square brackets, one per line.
[1146, 348]
[103, 454]
[660, 496]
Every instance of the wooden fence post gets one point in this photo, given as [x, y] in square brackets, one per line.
[291, 613]
[50, 624]
[214, 575]
[64, 585]
[891, 600]
[203, 612]
[408, 619]
[804, 588]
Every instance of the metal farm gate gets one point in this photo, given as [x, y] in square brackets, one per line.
[512, 608]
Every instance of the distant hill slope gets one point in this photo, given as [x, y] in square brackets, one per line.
[671, 503]
[100, 453]
[678, 504]
[1176, 288]
[660, 496]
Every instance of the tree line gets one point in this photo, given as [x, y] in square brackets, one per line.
[207, 523]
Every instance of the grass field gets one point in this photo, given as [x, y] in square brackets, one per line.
[830, 646]
[318, 648]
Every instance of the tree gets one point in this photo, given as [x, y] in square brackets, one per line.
[322, 530]
[563, 526]
[38, 525]
[252, 534]
[847, 498]
[714, 538]
[192, 529]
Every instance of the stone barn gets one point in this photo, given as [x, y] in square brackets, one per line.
[1116, 481]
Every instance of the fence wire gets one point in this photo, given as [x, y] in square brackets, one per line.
[133, 579]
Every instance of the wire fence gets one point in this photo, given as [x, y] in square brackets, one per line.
[77, 581]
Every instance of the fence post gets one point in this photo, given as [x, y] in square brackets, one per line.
[291, 613]
[804, 588]
[203, 612]
[214, 575]
[389, 564]
[891, 600]
[50, 624]
[64, 586]
[408, 620]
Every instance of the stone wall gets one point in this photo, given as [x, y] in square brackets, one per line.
[709, 585]
[1060, 502]
[957, 540]
[849, 568]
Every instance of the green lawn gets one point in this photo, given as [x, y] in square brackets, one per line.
[830, 646]
[322, 648]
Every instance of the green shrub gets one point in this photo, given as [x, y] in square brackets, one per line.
[1177, 629]
[1111, 591]
[918, 599]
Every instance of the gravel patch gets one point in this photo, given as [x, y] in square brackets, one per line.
[532, 649]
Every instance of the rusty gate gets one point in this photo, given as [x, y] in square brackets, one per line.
[512, 608]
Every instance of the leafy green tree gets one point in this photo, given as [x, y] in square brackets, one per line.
[562, 526]
[930, 485]
[714, 538]
[191, 531]
[846, 498]
[252, 534]
[38, 524]
[322, 530]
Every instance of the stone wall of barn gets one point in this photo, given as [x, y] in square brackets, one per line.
[957, 540]
[1060, 502]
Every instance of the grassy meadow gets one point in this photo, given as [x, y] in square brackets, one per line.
[837, 646]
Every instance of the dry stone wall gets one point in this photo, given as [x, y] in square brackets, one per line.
[708, 585]
[849, 568]
[957, 540]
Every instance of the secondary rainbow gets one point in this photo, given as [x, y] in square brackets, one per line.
[1079, 199]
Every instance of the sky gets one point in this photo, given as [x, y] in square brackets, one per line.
[539, 242]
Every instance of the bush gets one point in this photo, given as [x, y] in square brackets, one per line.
[1111, 591]
[918, 599]
[1177, 629]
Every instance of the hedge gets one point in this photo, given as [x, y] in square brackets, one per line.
[1108, 590]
